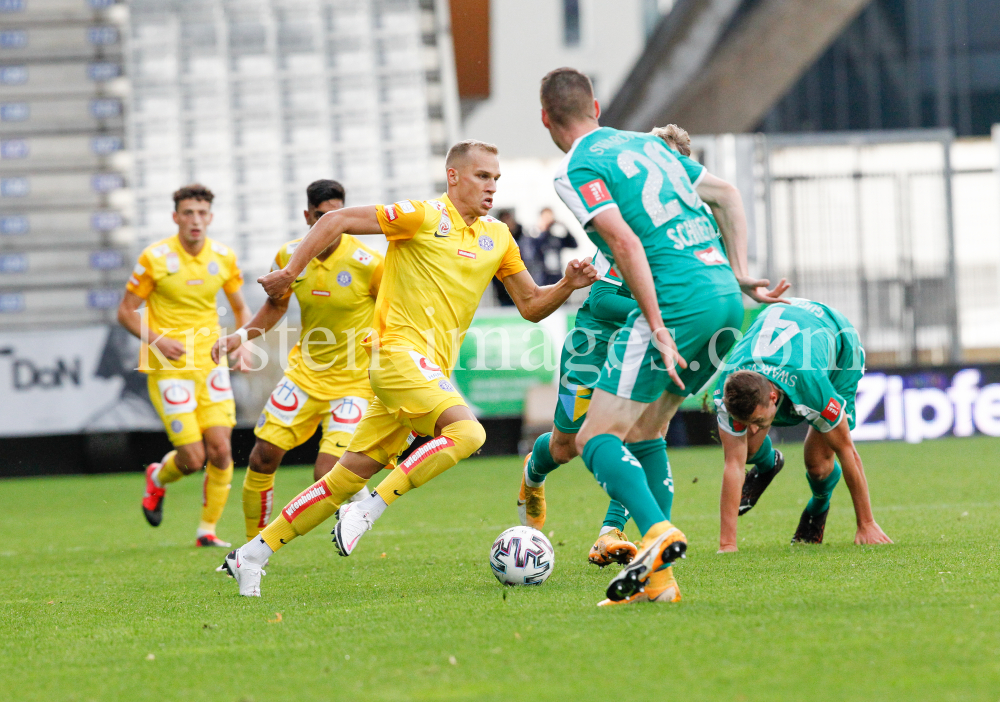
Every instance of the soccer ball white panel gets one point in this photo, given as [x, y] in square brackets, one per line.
[522, 556]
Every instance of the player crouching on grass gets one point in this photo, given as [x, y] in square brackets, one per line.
[797, 362]
[442, 255]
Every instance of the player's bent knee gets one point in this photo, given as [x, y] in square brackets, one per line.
[469, 437]
[190, 459]
[563, 451]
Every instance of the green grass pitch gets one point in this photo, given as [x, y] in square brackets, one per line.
[96, 605]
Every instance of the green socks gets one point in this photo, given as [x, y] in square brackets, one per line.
[822, 490]
[764, 458]
[623, 478]
[541, 462]
[652, 455]
[616, 517]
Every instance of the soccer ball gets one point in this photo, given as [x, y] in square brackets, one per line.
[522, 556]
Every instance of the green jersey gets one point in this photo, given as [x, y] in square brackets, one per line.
[812, 353]
[653, 187]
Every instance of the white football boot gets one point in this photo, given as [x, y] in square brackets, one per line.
[247, 575]
[352, 523]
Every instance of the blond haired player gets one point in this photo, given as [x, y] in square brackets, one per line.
[442, 255]
[327, 377]
[179, 278]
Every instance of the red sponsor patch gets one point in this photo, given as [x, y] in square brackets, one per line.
[738, 426]
[614, 274]
[466, 254]
[595, 192]
[711, 256]
[321, 293]
[390, 212]
[307, 497]
[266, 500]
[196, 281]
[832, 410]
[428, 449]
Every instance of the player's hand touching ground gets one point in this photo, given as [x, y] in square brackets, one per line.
[580, 274]
[170, 348]
[756, 289]
[871, 533]
[663, 340]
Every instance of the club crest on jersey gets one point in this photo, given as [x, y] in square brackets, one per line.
[213, 268]
[344, 279]
[486, 243]
[444, 227]
[362, 257]
[173, 262]
[711, 256]
[832, 410]
[595, 192]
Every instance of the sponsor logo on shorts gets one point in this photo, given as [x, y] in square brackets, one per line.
[219, 387]
[466, 254]
[213, 268]
[177, 396]
[486, 243]
[390, 213]
[428, 449]
[346, 413]
[285, 401]
[711, 256]
[429, 370]
[176, 426]
[832, 410]
[595, 192]
[261, 419]
[344, 279]
[446, 386]
[321, 293]
[363, 257]
[305, 499]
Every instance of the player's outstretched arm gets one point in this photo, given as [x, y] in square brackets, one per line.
[536, 302]
[630, 260]
[841, 442]
[350, 220]
[269, 314]
[727, 207]
[734, 449]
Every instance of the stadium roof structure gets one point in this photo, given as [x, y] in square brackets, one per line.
[716, 66]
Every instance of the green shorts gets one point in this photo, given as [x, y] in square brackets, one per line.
[583, 355]
[634, 369]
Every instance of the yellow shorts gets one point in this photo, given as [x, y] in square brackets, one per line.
[410, 394]
[291, 416]
[189, 402]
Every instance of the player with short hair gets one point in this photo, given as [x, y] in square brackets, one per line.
[442, 255]
[643, 205]
[327, 378]
[178, 278]
[601, 315]
[797, 363]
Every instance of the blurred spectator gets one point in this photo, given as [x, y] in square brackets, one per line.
[517, 231]
[552, 238]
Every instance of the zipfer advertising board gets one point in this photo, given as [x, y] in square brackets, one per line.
[84, 380]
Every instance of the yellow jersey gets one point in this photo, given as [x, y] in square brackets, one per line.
[436, 271]
[180, 293]
[337, 299]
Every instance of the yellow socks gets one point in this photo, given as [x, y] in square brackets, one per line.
[258, 499]
[312, 506]
[458, 440]
[168, 472]
[216, 491]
